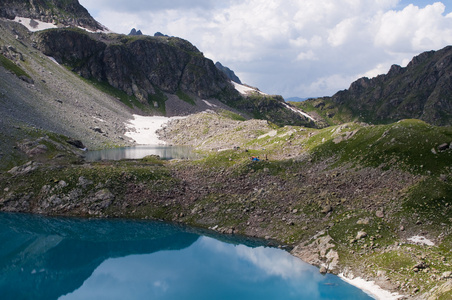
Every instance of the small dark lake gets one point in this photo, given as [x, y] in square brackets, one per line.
[63, 258]
[140, 151]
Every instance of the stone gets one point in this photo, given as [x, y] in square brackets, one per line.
[326, 209]
[380, 214]
[97, 129]
[361, 235]
[364, 221]
[323, 270]
[76, 143]
[39, 149]
[443, 147]
[446, 275]
[62, 184]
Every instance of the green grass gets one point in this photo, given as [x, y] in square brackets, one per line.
[185, 97]
[11, 66]
[160, 98]
[231, 115]
[406, 145]
[103, 86]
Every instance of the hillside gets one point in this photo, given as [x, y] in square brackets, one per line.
[363, 199]
[422, 90]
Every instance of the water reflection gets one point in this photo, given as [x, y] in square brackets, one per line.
[140, 151]
[44, 258]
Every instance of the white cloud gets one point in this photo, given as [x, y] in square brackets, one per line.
[414, 29]
[291, 47]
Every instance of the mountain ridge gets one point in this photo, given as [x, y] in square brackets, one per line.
[421, 90]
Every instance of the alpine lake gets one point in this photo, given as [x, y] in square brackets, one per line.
[69, 258]
[137, 152]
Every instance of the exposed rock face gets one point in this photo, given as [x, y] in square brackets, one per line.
[229, 73]
[68, 12]
[137, 65]
[422, 90]
[135, 32]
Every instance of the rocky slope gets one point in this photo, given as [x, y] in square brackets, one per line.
[422, 90]
[64, 13]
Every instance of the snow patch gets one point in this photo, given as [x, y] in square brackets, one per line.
[53, 59]
[209, 104]
[417, 239]
[298, 111]
[34, 25]
[37, 25]
[370, 288]
[244, 90]
[142, 129]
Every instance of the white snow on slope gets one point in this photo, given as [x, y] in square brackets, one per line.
[421, 240]
[142, 129]
[299, 111]
[370, 288]
[243, 89]
[34, 25]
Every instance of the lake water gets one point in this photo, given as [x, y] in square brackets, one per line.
[140, 151]
[62, 258]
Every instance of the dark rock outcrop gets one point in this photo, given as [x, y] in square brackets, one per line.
[66, 13]
[135, 32]
[157, 34]
[229, 73]
[137, 65]
[422, 90]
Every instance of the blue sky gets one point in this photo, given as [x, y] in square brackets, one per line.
[292, 48]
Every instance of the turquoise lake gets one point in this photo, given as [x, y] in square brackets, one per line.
[65, 258]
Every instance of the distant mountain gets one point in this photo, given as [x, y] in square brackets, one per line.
[229, 73]
[422, 90]
[297, 99]
[66, 13]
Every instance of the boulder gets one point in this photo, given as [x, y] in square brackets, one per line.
[443, 147]
[361, 235]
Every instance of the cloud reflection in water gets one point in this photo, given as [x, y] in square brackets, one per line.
[210, 269]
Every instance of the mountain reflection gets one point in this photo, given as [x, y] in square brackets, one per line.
[44, 258]
[60, 258]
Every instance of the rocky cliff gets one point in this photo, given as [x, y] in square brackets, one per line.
[64, 12]
[422, 90]
[138, 65]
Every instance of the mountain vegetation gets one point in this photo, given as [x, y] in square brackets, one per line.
[351, 190]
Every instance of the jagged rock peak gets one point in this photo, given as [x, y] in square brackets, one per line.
[229, 73]
[67, 13]
[421, 90]
[135, 32]
[159, 34]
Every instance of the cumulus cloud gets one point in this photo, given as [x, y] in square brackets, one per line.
[292, 47]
